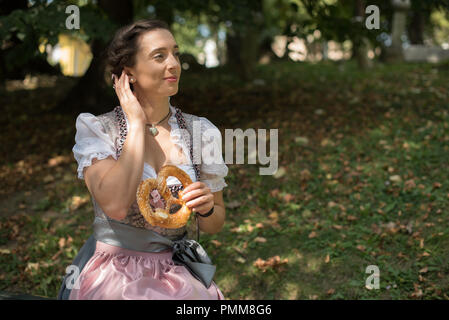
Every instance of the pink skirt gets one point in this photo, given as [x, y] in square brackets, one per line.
[114, 273]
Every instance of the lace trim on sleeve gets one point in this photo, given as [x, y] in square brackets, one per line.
[87, 161]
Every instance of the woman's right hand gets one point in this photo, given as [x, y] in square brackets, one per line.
[128, 99]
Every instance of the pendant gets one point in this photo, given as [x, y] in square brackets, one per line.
[154, 131]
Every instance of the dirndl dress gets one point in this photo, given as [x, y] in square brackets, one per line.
[108, 268]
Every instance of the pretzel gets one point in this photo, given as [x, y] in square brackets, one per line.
[176, 213]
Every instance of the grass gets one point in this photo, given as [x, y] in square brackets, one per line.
[367, 188]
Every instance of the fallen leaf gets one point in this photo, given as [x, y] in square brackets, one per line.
[331, 204]
[280, 173]
[391, 227]
[361, 247]
[327, 142]
[424, 270]
[327, 259]
[274, 192]
[216, 243]
[302, 140]
[331, 291]
[260, 239]
[409, 184]
[240, 260]
[273, 262]
[235, 229]
[437, 185]
[76, 202]
[32, 266]
[57, 160]
[395, 178]
[289, 197]
[61, 242]
[418, 291]
[305, 175]
[312, 235]
[273, 215]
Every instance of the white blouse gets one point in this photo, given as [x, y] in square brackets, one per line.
[92, 141]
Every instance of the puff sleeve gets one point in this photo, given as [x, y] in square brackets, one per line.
[91, 141]
[213, 169]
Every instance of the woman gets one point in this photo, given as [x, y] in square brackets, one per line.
[128, 258]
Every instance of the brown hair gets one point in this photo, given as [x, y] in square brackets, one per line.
[123, 48]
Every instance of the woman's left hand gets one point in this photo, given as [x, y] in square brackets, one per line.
[198, 197]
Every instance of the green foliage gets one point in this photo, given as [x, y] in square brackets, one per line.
[440, 24]
[42, 23]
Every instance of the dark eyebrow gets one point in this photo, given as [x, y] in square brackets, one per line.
[164, 48]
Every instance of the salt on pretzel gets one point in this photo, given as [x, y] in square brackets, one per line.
[167, 217]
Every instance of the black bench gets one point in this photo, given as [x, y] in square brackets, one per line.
[21, 296]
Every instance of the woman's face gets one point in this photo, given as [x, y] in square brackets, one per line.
[157, 58]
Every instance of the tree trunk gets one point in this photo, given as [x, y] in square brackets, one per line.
[233, 48]
[6, 7]
[416, 27]
[360, 44]
[242, 51]
[91, 93]
[394, 53]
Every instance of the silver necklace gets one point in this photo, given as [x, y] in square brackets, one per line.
[153, 130]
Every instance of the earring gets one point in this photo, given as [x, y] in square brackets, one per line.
[132, 80]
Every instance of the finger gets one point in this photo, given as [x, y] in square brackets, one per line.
[117, 86]
[120, 83]
[193, 186]
[200, 200]
[194, 193]
[126, 87]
